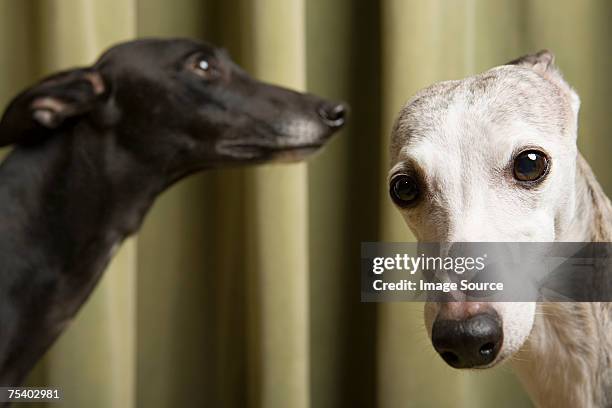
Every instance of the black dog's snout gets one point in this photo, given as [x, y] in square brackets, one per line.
[333, 114]
[468, 343]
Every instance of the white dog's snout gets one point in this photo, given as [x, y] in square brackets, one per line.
[467, 335]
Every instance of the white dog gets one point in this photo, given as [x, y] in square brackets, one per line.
[493, 157]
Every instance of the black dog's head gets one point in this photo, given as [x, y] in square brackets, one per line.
[175, 99]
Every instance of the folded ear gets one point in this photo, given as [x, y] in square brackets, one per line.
[50, 103]
[543, 62]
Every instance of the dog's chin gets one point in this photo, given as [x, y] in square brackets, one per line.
[296, 154]
[265, 154]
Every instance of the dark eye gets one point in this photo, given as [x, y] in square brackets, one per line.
[204, 67]
[530, 165]
[404, 190]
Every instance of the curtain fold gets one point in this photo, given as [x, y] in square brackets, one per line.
[242, 288]
[277, 217]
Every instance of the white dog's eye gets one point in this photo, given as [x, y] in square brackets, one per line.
[530, 165]
[404, 190]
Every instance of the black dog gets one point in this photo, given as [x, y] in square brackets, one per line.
[95, 146]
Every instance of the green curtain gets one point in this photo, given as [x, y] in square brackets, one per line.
[242, 289]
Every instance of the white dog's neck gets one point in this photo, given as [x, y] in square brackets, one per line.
[567, 360]
[593, 212]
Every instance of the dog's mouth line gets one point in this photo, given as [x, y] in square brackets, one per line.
[273, 148]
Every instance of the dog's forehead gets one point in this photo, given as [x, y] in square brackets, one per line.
[480, 110]
[154, 51]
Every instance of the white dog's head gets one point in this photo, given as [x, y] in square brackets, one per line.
[489, 158]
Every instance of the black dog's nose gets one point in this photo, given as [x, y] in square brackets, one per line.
[468, 343]
[333, 114]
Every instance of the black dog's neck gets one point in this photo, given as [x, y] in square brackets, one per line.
[65, 204]
[84, 178]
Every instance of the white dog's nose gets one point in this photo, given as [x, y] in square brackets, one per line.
[468, 343]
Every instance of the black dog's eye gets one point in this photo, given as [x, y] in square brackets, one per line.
[530, 165]
[204, 67]
[404, 190]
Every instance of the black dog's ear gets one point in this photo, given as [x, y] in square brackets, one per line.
[48, 104]
[543, 62]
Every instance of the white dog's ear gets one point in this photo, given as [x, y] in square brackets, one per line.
[543, 62]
